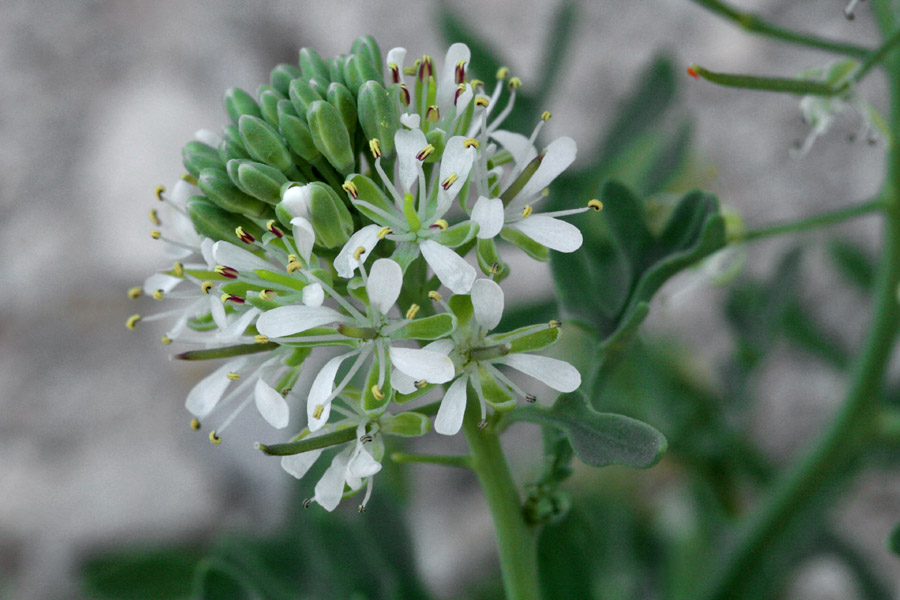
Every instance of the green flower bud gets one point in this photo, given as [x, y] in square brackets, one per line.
[259, 180]
[378, 115]
[296, 132]
[282, 75]
[263, 143]
[357, 70]
[232, 134]
[239, 103]
[330, 218]
[341, 98]
[303, 95]
[197, 156]
[489, 260]
[313, 66]
[438, 139]
[336, 68]
[459, 234]
[406, 424]
[229, 150]
[330, 136]
[222, 191]
[368, 47]
[268, 103]
[427, 328]
[218, 224]
[284, 216]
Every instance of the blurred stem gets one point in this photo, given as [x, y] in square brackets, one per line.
[754, 24]
[516, 541]
[816, 221]
[432, 459]
[878, 56]
[846, 437]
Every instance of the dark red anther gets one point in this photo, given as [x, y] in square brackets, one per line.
[228, 272]
[460, 72]
[405, 97]
[233, 298]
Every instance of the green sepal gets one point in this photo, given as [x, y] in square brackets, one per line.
[284, 216]
[404, 398]
[368, 191]
[525, 243]
[239, 103]
[229, 150]
[495, 394]
[357, 70]
[217, 186]
[405, 424]
[343, 433]
[302, 95]
[331, 221]
[264, 144]
[531, 342]
[227, 351]
[297, 341]
[296, 132]
[218, 224]
[269, 98]
[330, 136]
[375, 407]
[285, 279]
[196, 156]
[257, 302]
[257, 179]
[202, 323]
[524, 177]
[404, 254]
[438, 139]
[427, 328]
[296, 357]
[240, 288]
[231, 133]
[357, 289]
[461, 305]
[312, 65]
[378, 116]
[342, 99]
[486, 252]
[840, 71]
[367, 46]
[336, 68]
[282, 75]
[457, 235]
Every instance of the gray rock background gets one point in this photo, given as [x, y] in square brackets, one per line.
[97, 98]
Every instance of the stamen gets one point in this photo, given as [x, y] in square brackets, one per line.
[166, 340]
[132, 321]
[233, 376]
[188, 178]
[460, 89]
[226, 271]
[375, 148]
[426, 68]
[440, 223]
[270, 225]
[482, 101]
[214, 438]
[159, 191]
[266, 294]
[531, 398]
[260, 339]
[243, 235]
[502, 72]
[395, 72]
[461, 72]
[595, 205]
[231, 297]
[195, 424]
[482, 424]
[405, 98]
[362, 508]
[366, 438]
[178, 268]
[449, 181]
[306, 503]
[425, 152]
[413, 310]
[410, 70]
[351, 189]
[420, 384]
[384, 231]
[555, 324]
[545, 116]
[158, 294]
[156, 234]
[495, 268]
[434, 295]
[376, 391]
[850, 9]
[433, 114]
[526, 211]
[317, 414]
[206, 286]
[515, 83]
[135, 292]
[471, 143]
[475, 83]
[154, 217]
[360, 250]
[293, 265]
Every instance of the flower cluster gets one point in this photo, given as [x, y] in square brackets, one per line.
[329, 214]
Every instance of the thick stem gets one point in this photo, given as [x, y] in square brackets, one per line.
[516, 541]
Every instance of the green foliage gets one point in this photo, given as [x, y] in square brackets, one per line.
[163, 574]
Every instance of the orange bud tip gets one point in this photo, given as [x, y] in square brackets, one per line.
[693, 72]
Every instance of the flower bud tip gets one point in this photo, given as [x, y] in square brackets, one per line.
[692, 71]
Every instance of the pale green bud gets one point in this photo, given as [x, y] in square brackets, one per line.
[330, 218]
[330, 136]
[257, 179]
[368, 47]
[296, 132]
[313, 66]
[239, 103]
[268, 103]
[378, 115]
[263, 143]
[222, 191]
[197, 156]
[357, 70]
[229, 150]
[438, 139]
[282, 75]
[341, 98]
[302, 95]
[218, 224]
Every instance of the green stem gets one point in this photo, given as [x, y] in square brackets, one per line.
[788, 85]
[432, 459]
[876, 57]
[516, 541]
[754, 24]
[816, 221]
[844, 438]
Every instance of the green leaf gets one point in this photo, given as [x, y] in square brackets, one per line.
[894, 540]
[598, 439]
[164, 574]
[218, 580]
[855, 264]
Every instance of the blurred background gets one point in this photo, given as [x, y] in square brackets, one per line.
[97, 98]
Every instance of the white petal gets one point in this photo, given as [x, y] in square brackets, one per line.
[453, 407]
[298, 464]
[320, 390]
[521, 148]
[229, 255]
[204, 396]
[418, 363]
[558, 374]
[446, 85]
[208, 137]
[453, 271]
[487, 302]
[560, 154]
[553, 233]
[161, 281]
[410, 120]
[271, 405]
[330, 488]
[236, 328]
[488, 213]
[313, 295]
[217, 310]
[361, 464]
[181, 192]
[296, 199]
[397, 56]
[456, 160]
[409, 142]
[304, 237]
[383, 286]
[462, 101]
[366, 237]
[401, 382]
[206, 249]
[444, 346]
[288, 320]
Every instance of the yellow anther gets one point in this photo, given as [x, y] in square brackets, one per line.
[225, 297]
[156, 234]
[475, 83]
[293, 266]
[159, 191]
[317, 414]
[360, 250]
[270, 225]
[515, 83]
[206, 286]
[135, 292]
[178, 268]
[502, 72]
[375, 147]
[545, 116]
[188, 178]
[471, 143]
[420, 384]
[449, 181]
[526, 211]
[442, 224]
[379, 395]
[214, 438]
[482, 101]
[384, 231]
[595, 205]
[495, 268]
[425, 152]
[545, 192]
[260, 339]
[554, 324]
[350, 188]
[233, 376]
[409, 70]
[154, 217]
[166, 340]
[158, 294]
[292, 258]
[433, 114]
[393, 66]
[434, 295]
[195, 424]
[266, 295]
[132, 321]
[413, 310]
